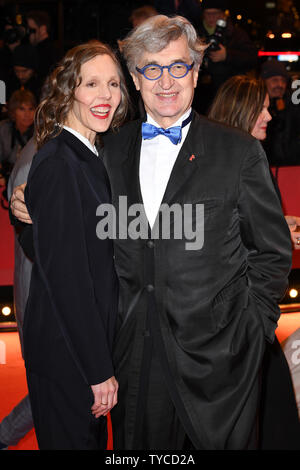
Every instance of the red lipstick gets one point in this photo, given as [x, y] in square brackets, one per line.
[103, 114]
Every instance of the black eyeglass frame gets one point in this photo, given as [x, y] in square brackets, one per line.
[162, 67]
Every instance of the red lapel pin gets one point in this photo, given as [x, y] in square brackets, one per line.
[192, 158]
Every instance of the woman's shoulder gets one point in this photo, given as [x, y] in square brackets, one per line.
[5, 126]
[53, 154]
[57, 148]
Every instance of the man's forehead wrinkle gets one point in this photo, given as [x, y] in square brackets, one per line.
[171, 61]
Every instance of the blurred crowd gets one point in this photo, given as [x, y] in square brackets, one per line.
[26, 59]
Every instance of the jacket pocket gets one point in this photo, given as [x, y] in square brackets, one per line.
[229, 303]
[213, 210]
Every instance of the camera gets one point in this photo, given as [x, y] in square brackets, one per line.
[14, 30]
[218, 36]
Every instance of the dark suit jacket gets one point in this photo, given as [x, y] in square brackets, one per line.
[70, 314]
[214, 308]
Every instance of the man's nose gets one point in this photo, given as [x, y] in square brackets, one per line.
[166, 80]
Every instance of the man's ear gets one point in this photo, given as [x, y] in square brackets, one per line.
[195, 75]
[135, 81]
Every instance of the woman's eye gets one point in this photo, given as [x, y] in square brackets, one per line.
[115, 84]
[91, 84]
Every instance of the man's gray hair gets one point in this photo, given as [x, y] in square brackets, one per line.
[155, 34]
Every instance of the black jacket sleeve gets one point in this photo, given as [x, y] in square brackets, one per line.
[24, 234]
[266, 235]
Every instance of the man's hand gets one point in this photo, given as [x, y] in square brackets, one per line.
[294, 226]
[106, 397]
[17, 204]
[220, 55]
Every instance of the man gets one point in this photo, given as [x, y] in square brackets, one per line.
[234, 54]
[39, 29]
[25, 71]
[194, 317]
[282, 144]
[276, 78]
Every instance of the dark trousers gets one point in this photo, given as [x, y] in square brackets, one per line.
[158, 425]
[62, 415]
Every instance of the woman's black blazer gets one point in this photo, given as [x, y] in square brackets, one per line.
[71, 309]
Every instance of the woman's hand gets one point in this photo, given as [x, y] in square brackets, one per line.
[106, 397]
[17, 204]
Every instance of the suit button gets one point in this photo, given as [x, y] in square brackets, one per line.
[150, 288]
[150, 244]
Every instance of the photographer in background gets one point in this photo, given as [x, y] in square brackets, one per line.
[12, 37]
[231, 51]
[39, 36]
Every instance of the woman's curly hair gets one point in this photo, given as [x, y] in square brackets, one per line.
[53, 110]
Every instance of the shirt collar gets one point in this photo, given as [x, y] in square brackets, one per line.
[150, 120]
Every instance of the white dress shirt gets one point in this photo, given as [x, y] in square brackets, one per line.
[83, 139]
[157, 159]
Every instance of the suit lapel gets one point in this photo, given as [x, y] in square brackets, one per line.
[130, 169]
[187, 161]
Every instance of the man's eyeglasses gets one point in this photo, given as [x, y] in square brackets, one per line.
[176, 70]
[32, 30]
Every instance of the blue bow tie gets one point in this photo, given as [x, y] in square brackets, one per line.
[173, 133]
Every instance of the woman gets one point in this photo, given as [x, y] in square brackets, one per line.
[243, 102]
[16, 130]
[71, 309]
